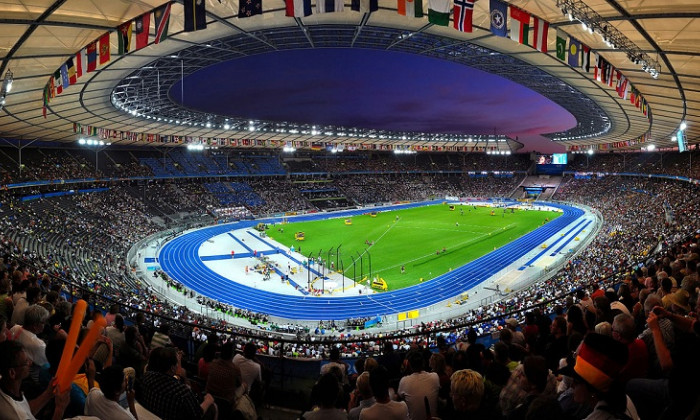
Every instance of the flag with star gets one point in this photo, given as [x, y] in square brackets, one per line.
[162, 21]
[561, 45]
[141, 24]
[124, 38]
[248, 8]
[499, 11]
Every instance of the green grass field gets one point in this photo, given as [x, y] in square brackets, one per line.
[410, 238]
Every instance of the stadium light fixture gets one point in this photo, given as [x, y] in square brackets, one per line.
[7, 82]
[683, 126]
[6, 88]
[591, 151]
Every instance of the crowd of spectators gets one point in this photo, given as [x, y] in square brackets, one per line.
[640, 217]
[678, 164]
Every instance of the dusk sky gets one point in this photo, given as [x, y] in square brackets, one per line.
[375, 89]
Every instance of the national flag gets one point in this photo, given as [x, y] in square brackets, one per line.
[574, 51]
[409, 8]
[605, 71]
[621, 85]
[195, 15]
[364, 6]
[104, 48]
[64, 75]
[161, 15]
[298, 8]
[46, 100]
[124, 38]
[141, 27]
[585, 58]
[248, 8]
[57, 82]
[72, 78]
[520, 25]
[91, 52]
[561, 45]
[52, 88]
[499, 10]
[598, 70]
[328, 6]
[633, 94]
[609, 75]
[540, 34]
[463, 11]
[439, 12]
[79, 58]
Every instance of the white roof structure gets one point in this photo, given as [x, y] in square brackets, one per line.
[657, 49]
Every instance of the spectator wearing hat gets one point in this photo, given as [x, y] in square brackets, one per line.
[677, 302]
[596, 371]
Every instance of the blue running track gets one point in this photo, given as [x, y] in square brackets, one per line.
[180, 259]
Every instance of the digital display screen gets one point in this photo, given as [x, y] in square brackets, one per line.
[682, 145]
[559, 159]
[544, 159]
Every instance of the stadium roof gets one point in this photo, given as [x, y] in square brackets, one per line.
[129, 93]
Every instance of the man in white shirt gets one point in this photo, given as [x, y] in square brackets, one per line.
[14, 368]
[383, 408]
[250, 369]
[103, 402]
[34, 319]
[415, 387]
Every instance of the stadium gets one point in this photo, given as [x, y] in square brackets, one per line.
[445, 189]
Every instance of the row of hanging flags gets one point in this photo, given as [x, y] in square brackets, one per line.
[614, 145]
[574, 53]
[131, 36]
[113, 135]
